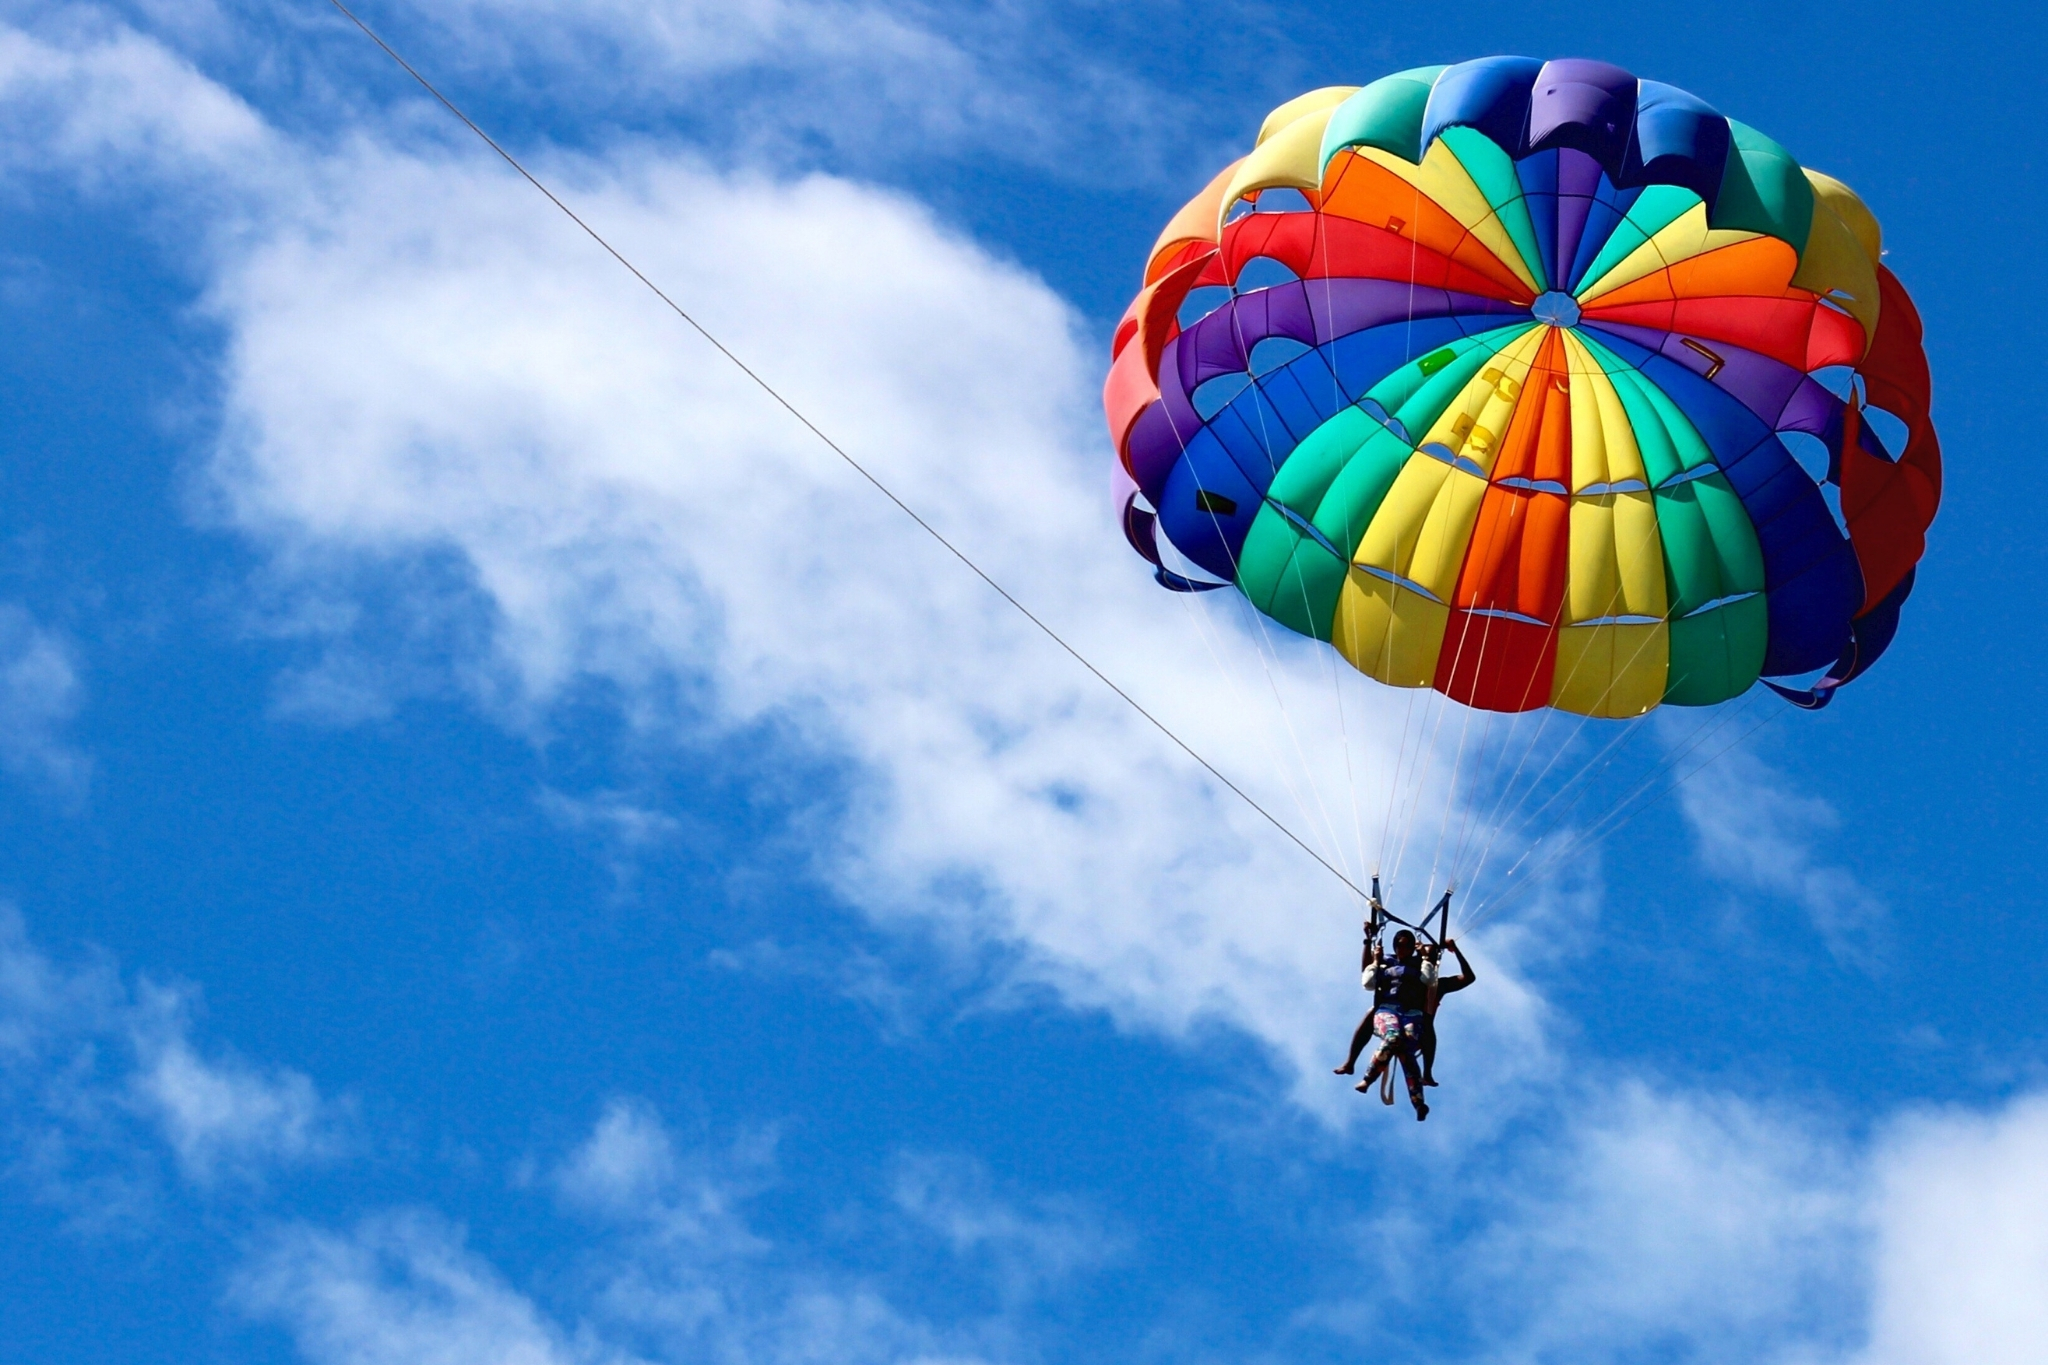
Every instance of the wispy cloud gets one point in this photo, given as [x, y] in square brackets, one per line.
[676, 1270]
[103, 1080]
[876, 85]
[40, 693]
[1029, 1248]
[400, 1288]
[631, 1171]
[621, 827]
[1652, 1223]
[221, 1115]
[1755, 830]
[404, 1287]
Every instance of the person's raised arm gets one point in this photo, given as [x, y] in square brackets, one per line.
[1466, 976]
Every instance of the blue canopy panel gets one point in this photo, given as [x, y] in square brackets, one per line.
[1491, 95]
[1680, 140]
[1537, 173]
[1869, 637]
[1813, 586]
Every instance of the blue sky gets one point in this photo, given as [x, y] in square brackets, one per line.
[512, 853]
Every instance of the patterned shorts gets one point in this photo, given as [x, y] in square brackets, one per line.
[1388, 1026]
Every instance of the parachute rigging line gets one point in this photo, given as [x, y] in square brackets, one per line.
[835, 447]
[1197, 614]
[1268, 652]
[1322, 241]
[1618, 816]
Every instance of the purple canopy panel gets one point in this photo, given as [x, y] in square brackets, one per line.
[1342, 307]
[1813, 410]
[1584, 104]
[1222, 342]
[1578, 180]
[1153, 447]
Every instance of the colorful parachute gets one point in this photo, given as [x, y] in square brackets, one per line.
[1536, 384]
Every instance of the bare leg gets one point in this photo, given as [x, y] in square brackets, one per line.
[1426, 1033]
[1372, 1073]
[1359, 1038]
[1412, 1074]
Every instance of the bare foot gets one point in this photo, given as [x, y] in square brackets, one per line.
[1421, 1112]
[1429, 1080]
[1363, 1087]
[1347, 1069]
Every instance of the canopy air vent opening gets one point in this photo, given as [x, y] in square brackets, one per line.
[1263, 272]
[1273, 352]
[1811, 452]
[1282, 199]
[1201, 302]
[1215, 394]
[1839, 380]
[1556, 309]
[1831, 494]
[1889, 429]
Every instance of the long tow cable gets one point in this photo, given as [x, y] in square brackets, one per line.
[836, 448]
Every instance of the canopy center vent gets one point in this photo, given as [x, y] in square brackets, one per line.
[1556, 308]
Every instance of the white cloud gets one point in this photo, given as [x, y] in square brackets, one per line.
[478, 456]
[627, 1160]
[426, 370]
[38, 999]
[1693, 1219]
[88, 96]
[896, 1002]
[1645, 1223]
[629, 1171]
[405, 1288]
[1662, 1225]
[1962, 1239]
[616, 817]
[1755, 831]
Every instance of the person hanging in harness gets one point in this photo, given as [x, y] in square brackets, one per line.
[1439, 988]
[1400, 1001]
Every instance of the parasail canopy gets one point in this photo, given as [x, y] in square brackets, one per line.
[1536, 384]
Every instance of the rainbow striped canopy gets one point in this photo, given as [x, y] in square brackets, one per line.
[1537, 384]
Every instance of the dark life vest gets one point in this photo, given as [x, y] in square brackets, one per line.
[1400, 986]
